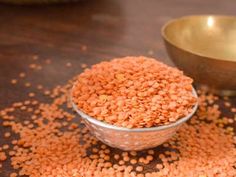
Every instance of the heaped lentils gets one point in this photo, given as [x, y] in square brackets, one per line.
[53, 143]
[134, 92]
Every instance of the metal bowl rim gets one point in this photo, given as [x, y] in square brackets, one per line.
[166, 38]
[151, 129]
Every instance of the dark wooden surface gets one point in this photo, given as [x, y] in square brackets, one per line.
[108, 29]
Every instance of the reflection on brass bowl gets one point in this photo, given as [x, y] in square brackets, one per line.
[204, 47]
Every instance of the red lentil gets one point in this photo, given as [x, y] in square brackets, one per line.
[131, 88]
[22, 75]
[27, 84]
[83, 65]
[3, 156]
[48, 61]
[7, 134]
[35, 57]
[68, 64]
[84, 48]
[13, 175]
[13, 81]
[199, 149]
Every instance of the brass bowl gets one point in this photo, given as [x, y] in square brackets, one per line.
[204, 47]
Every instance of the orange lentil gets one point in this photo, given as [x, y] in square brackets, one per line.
[133, 153]
[22, 75]
[116, 156]
[32, 66]
[106, 157]
[3, 156]
[200, 148]
[14, 142]
[27, 84]
[35, 57]
[126, 158]
[13, 175]
[12, 153]
[84, 48]
[68, 64]
[5, 146]
[139, 168]
[83, 65]
[151, 152]
[13, 81]
[141, 159]
[145, 161]
[46, 92]
[149, 158]
[91, 80]
[95, 150]
[48, 61]
[39, 67]
[7, 134]
[27, 102]
[103, 146]
[29, 109]
[121, 162]
[39, 87]
[23, 107]
[74, 126]
[233, 110]
[31, 94]
[159, 166]
[140, 175]
[26, 122]
[35, 102]
[107, 151]
[227, 104]
[133, 161]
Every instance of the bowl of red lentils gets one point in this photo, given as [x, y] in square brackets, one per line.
[133, 103]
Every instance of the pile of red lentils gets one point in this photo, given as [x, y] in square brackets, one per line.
[134, 92]
[53, 142]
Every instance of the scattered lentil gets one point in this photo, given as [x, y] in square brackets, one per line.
[84, 48]
[13, 175]
[68, 64]
[31, 94]
[199, 149]
[27, 84]
[3, 156]
[83, 65]
[13, 81]
[5, 146]
[39, 87]
[7, 134]
[35, 57]
[139, 168]
[48, 61]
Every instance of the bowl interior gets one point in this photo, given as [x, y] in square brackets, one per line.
[210, 36]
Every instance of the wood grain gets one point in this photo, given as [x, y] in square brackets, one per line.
[108, 28]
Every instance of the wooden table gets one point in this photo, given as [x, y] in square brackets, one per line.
[84, 32]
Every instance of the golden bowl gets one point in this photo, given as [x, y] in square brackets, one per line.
[204, 47]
